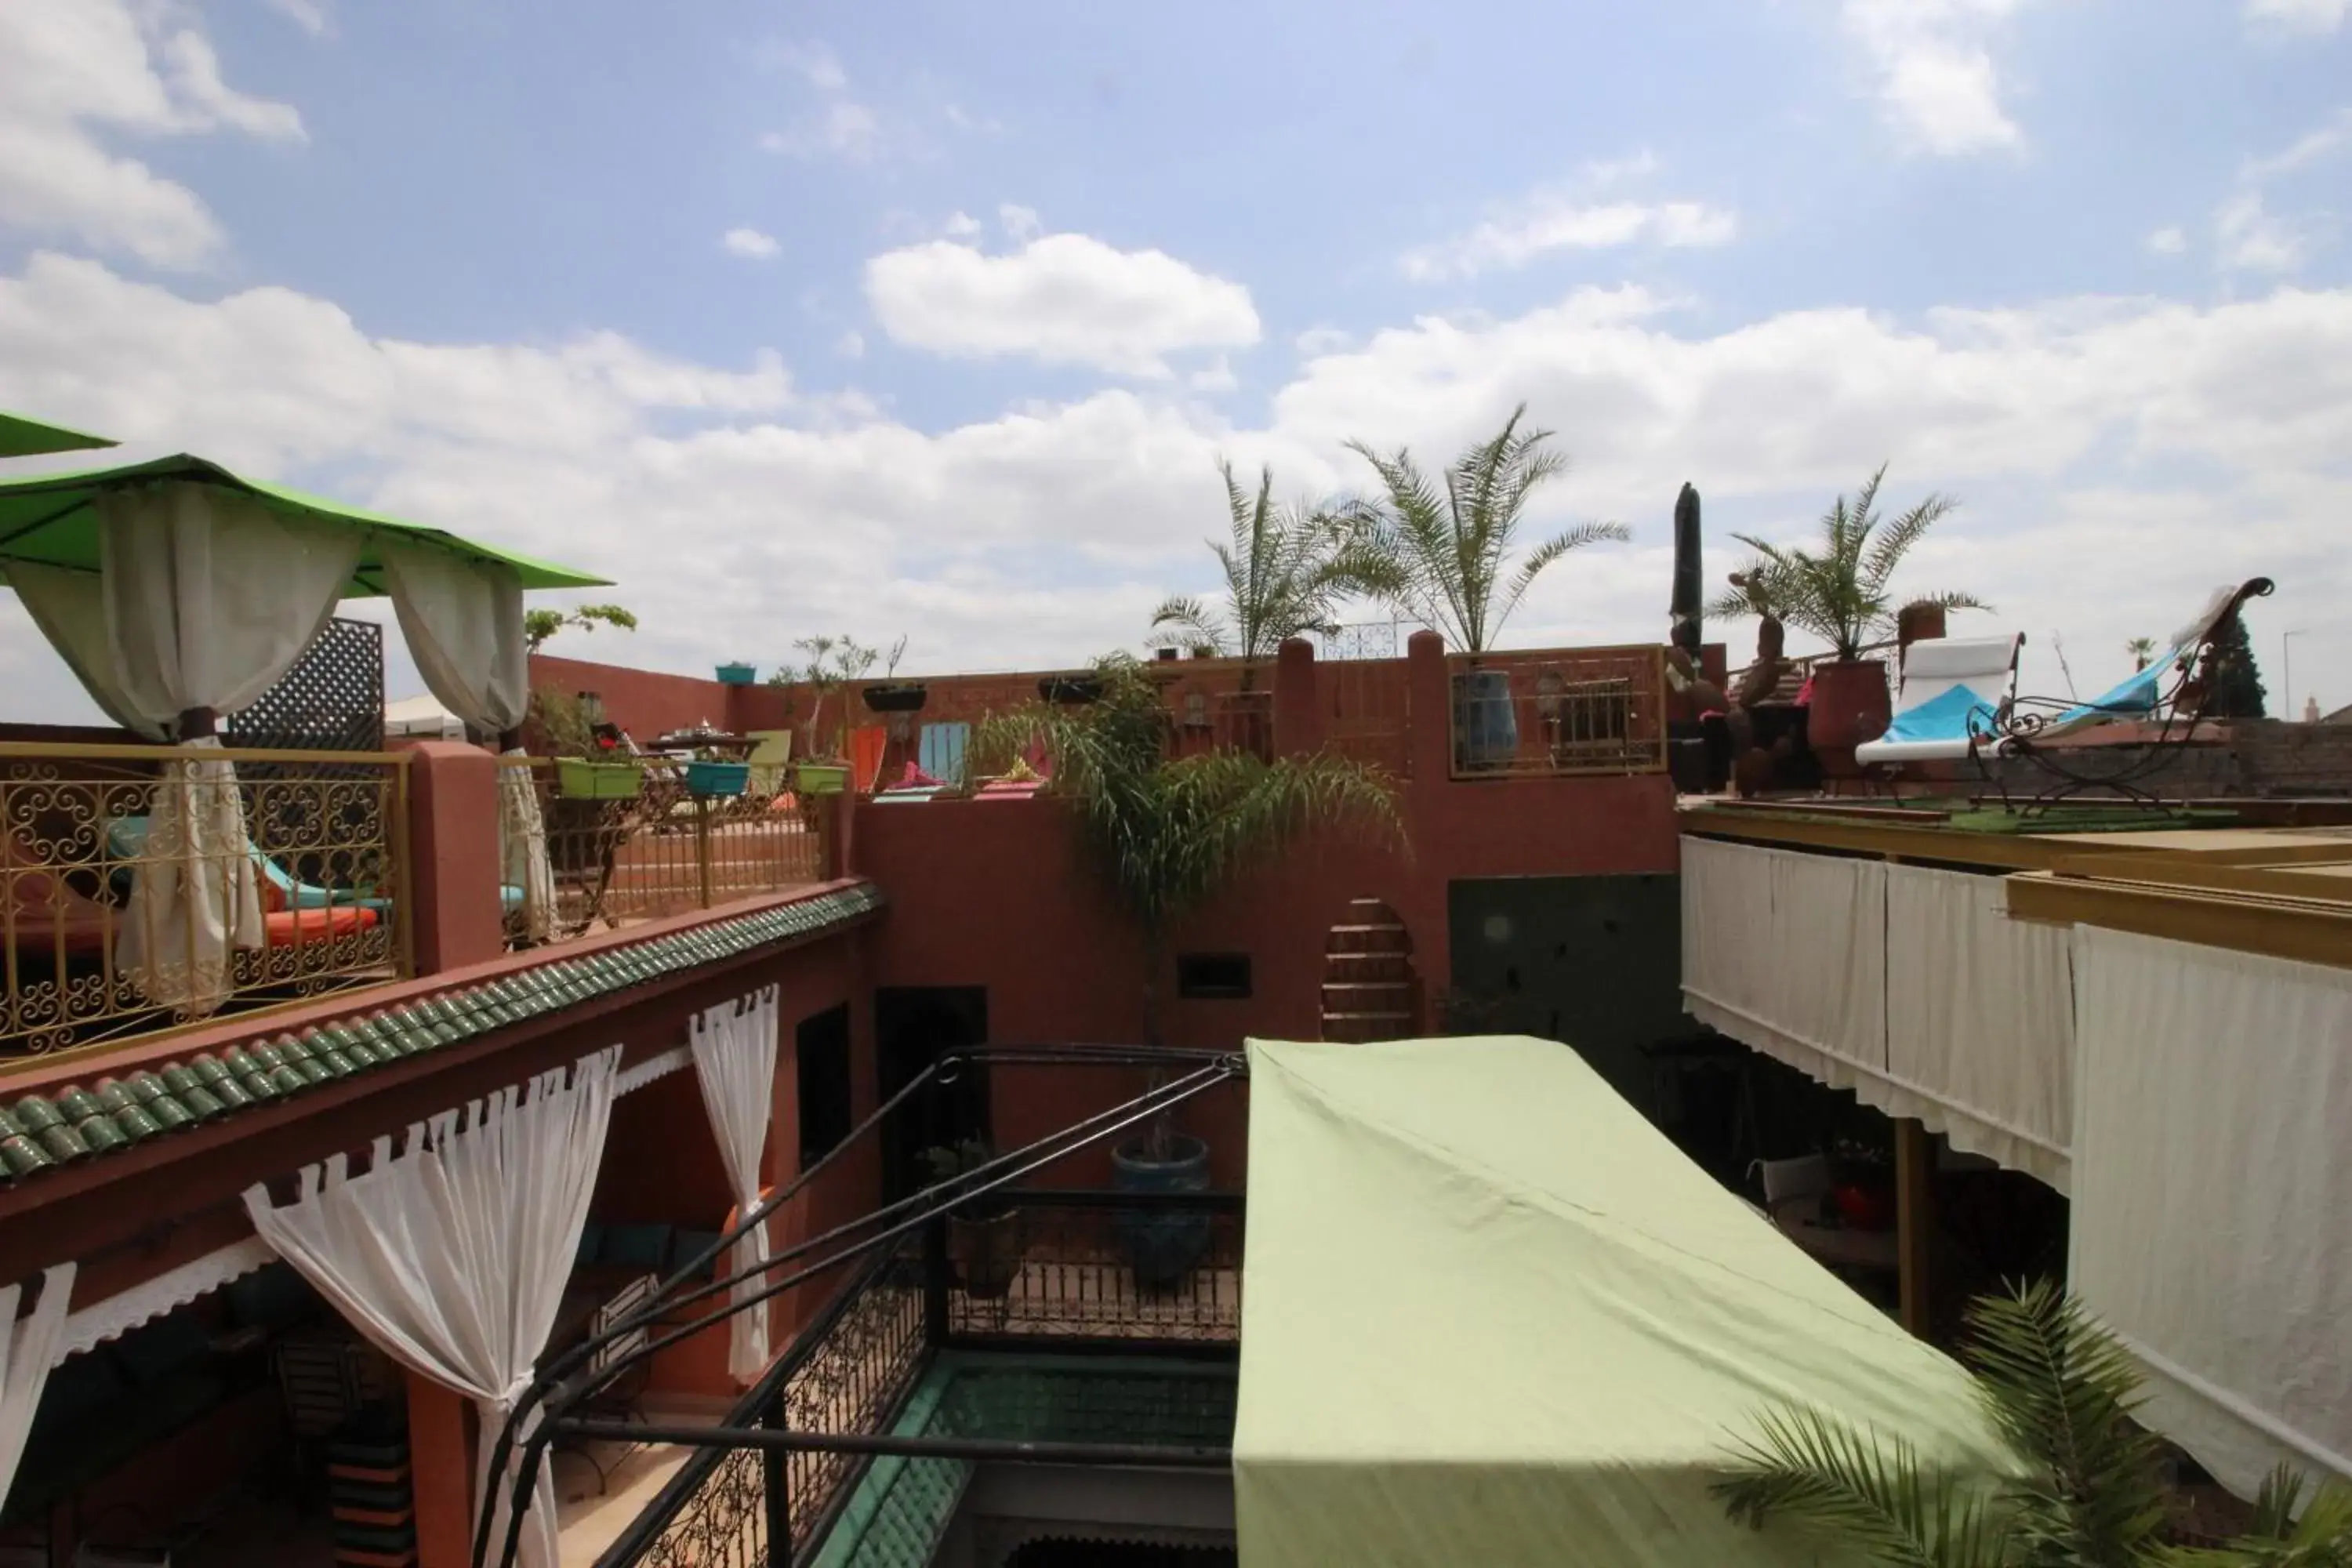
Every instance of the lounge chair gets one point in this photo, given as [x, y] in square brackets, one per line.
[942, 752]
[1953, 695]
[867, 745]
[770, 760]
[126, 840]
[914, 786]
[2174, 689]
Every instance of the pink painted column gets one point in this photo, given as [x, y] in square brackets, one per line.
[453, 856]
[1299, 726]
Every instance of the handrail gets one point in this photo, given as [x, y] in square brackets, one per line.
[50, 750]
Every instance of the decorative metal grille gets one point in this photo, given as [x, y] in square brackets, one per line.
[331, 700]
[1365, 640]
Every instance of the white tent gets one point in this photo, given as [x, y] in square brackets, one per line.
[422, 718]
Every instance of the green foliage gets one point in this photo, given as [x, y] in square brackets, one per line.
[2087, 1490]
[831, 663]
[537, 626]
[2141, 649]
[1444, 550]
[564, 723]
[1842, 594]
[1287, 571]
[1167, 836]
[2238, 691]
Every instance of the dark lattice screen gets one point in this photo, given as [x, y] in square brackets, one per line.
[331, 700]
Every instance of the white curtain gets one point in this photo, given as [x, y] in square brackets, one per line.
[463, 620]
[735, 1061]
[204, 596]
[1979, 1020]
[2212, 1203]
[452, 1256]
[1786, 952]
[27, 1349]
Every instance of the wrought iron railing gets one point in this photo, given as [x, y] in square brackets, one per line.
[1559, 712]
[145, 890]
[1067, 1269]
[661, 850]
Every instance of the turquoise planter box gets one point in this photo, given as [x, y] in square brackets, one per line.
[737, 674]
[718, 778]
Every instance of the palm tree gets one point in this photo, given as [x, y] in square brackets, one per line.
[1446, 549]
[2087, 1487]
[1167, 836]
[1843, 593]
[2141, 649]
[1287, 571]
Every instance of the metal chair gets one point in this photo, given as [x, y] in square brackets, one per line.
[617, 1399]
[321, 1382]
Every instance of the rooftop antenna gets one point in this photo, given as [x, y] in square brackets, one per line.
[2058, 647]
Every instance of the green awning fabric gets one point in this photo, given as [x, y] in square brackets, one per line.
[49, 518]
[24, 437]
[1491, 1315]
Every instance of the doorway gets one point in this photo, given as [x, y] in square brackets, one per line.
[913, 1026]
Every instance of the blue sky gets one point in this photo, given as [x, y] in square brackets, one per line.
[933, 318]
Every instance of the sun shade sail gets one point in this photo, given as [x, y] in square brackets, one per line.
[1492, 1316]
[24, 438]
[49, 518]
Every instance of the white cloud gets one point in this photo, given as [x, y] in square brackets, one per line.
[73, 77]
[311, 15]
[749, 242]
[1323, 340]
[838, 125]
[1934, 70]
[1064, 298]
[1020, 223]
[2169, 241]
[1217, 377]
[961, 226]
[850, 346]
[2247, 239]
[2079, 432]
[1557, 221]
[2298, 16]
[2331, 136]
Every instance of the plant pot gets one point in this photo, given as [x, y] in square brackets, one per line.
[737, 674]
[1486, 726]
[985, 1253]
[1071, 689]
[906, 697]
[716, 778]
[1850, 708]
[820, 778]
[1162, 1246]
[576, 779]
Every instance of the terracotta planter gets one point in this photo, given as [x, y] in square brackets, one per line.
[1850, 708]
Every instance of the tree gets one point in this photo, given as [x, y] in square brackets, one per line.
[2238, 690]
[1843, 594]
[1443, 550]
[1167, 836]
[1286, 569]
[2088, 1488]
[2141, 649]
[832, 663]
[537, 626]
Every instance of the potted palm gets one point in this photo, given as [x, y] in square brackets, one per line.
[2087, 1483]
[1445, 558]
[832, 663]
[1843, 593]
[1166, 838]
[1287, 568]
[983, 1235]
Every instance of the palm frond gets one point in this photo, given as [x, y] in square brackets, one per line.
[2063, 1390]
[1202, 630]
[1872, 1496]
[1550, 551]
[1886, 552]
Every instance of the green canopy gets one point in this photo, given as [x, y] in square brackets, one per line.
[51, 517]
[1491, 1315]
[21, 437]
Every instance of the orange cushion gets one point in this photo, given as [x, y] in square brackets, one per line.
[284, 928]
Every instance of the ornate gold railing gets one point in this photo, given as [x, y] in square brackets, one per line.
[141, 890]
[662, 851]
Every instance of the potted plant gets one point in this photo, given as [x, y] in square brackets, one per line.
[1842, 594]
[1438, 552]
[983, 1235]
[1166, 837]
[832, 662]
[1286, 569]
[890, 696]
[590, 765]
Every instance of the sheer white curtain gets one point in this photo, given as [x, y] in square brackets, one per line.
[27, 1349]
[2212, 1201]
[204, 596]
[735, 1061]
[452, 1256]
[463, 620]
